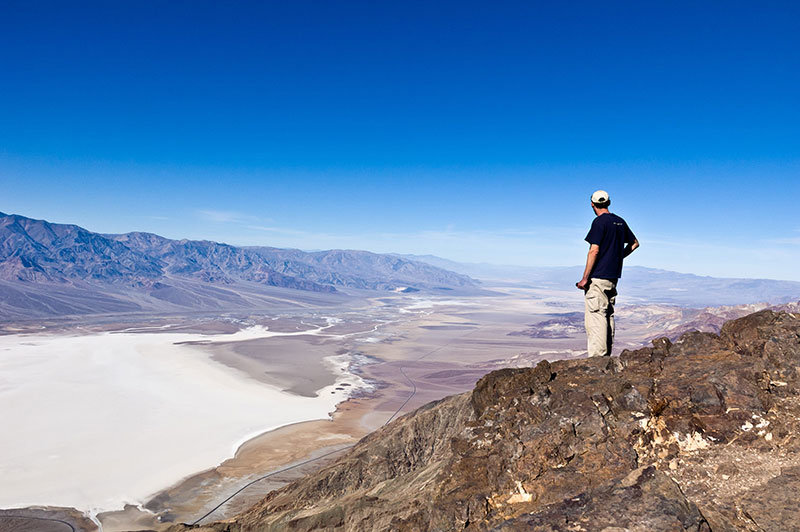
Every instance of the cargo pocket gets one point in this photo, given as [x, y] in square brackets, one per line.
[594, 302]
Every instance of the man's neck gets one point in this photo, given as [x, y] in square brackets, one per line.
[598, 212]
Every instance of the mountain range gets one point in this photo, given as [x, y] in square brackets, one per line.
[639, 284]
[49, 269]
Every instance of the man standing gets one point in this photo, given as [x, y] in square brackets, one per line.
[610, 240]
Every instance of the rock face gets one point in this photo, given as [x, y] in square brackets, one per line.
[699, 435]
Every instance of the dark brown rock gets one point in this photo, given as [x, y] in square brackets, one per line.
[650, 499]
[775, 506]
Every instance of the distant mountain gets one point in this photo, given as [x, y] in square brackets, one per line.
[51, 269]
[695, 290]
[38, 251]
[638, 284]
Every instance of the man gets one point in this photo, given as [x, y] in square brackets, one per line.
[610, 240]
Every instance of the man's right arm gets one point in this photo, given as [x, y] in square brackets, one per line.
[591, 259]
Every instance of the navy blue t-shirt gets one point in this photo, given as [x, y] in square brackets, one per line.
[611, 233]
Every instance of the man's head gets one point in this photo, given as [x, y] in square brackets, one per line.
[600, 201]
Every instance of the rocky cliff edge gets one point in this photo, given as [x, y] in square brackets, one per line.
[699, 435]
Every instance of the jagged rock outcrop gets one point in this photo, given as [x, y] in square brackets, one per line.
[699, 435]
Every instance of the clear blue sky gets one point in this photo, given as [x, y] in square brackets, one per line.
[470, 130]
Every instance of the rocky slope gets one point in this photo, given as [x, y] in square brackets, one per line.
[49, 269]
[699, 435]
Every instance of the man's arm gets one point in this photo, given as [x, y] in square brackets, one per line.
[629, 248]
[591, 258]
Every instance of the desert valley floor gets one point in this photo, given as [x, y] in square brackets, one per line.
[221, 384]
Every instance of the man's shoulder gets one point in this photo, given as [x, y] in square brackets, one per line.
[616, 219]
[606, 218]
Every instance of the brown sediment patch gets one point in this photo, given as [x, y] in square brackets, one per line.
[294, 364]
[129, 518]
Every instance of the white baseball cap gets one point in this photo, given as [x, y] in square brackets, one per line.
[600, 197]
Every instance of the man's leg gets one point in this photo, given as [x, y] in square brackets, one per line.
[598, 331]
[611, 295]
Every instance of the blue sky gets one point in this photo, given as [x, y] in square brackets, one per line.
[470, 130]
